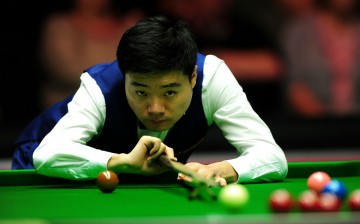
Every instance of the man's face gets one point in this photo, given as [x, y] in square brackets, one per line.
[159, 101]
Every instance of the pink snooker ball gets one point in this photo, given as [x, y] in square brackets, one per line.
[317, 181]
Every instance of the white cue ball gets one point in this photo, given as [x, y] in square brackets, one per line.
[234, 196]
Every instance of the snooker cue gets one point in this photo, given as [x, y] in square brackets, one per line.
[181, 168]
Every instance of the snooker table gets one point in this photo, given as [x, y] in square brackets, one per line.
[27, 197]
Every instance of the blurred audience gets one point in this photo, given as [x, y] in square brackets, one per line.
[321, 48]
[74, 40]
[221, 30]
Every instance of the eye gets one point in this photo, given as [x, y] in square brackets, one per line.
[141, 93]
[170, 93]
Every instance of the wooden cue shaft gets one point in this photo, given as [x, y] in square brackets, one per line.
[181, 168]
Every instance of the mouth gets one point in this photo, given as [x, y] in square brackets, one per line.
[157, 121]
[158, 125]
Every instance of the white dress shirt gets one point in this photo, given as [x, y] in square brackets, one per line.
[64, 153]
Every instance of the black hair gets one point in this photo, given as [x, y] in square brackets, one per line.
[157, 45]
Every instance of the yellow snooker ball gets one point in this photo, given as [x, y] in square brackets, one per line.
[234, 196]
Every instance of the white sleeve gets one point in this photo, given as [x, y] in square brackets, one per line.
[225, 103]
[63, 152]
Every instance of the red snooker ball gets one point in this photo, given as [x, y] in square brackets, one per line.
[318, 180]
[308, 201]
[107, 181]
[329, 202]
[280, 200]
[354, 200]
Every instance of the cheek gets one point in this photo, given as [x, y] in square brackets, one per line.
[185, 101]
[135, 105]
[131, 103]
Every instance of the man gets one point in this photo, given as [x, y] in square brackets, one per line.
[159, 97]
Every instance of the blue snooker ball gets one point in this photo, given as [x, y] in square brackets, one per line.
[336, 187]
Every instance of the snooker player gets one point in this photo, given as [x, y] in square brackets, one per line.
[160, 96]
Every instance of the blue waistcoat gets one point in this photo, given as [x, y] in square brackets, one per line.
[119, 134]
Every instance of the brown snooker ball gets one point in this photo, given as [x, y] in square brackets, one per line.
[107, 181]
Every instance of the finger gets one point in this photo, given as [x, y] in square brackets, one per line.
[170, 153]
[155, 146]
[183, 177]
[156, 153]
[180, 176]
[221, 181]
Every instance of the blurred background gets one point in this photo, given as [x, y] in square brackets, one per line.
[298, 61]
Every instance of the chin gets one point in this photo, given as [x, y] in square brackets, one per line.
[158, 128]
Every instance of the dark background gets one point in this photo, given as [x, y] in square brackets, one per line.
[21, 74]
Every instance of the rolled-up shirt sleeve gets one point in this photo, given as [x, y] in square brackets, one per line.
[225, 103]
[63, 152]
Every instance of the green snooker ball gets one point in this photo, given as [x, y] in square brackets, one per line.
[234, 196]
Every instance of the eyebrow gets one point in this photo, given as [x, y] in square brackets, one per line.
[172, 84]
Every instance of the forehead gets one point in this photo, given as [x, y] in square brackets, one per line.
[156, 79]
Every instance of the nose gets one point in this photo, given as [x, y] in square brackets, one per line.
[156, 106]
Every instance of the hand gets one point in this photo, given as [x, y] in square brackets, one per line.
[205, 171]
[143, 158]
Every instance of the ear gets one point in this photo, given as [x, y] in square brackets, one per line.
[193, 77]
